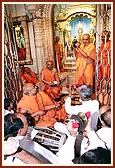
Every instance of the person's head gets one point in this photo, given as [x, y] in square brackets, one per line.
[41, 86]
[27, 70]
[95, 156]
[29, 89]
[105, 116]
[56, 39]
[7, 118]
[8, 104]
[86, 39]
[12, 125]
[21, 68]
[103, 109]
[49, 64]
[25, 122]
[30, 119]
[105, 36]
[85, 92]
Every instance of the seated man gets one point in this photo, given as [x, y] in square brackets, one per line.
[15, 129]
[75, 125]
[50, 77]
[27, 75]
[85, 93]
[53, 110]
[29, 102]
[21, 140]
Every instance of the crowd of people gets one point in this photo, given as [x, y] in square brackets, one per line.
[41, 107]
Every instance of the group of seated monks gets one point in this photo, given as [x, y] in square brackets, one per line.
[39, 96]
[48, 75]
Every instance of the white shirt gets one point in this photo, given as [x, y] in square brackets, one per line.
[66, 152]
[8, 112]
[12, 159]
[90, 105]
[97, 139]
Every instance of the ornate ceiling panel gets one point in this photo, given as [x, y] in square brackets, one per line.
[72, 10]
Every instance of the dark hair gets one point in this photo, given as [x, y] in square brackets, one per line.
[95, 156]
[30, 119]
[9, 117]
[12, 125]
[7, 102]
[106, 117]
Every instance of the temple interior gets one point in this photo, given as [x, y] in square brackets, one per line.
[34, 28]
[32, 32]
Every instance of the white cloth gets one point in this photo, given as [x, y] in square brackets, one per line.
[8, 112]
[9, 161]
[90, 105]
[35, 147]
[46, 153]
[12, 144]
[63, 157]
[106, 135]
[61, 128]
[66, 152]
[97, 139]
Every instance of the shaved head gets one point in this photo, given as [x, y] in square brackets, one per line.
[86, 39]
[29, 89]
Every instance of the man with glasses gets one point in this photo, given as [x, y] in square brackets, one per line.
[85, 59]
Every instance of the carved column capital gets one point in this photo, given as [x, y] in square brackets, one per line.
[34, 11]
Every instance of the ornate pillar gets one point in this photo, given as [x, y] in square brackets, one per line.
[99, 24]
[37, 20]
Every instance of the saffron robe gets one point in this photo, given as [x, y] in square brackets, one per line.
[84, 71]
[105, 64]
[30, 78]
[51, 115]
[29, 103]
[55, 91]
